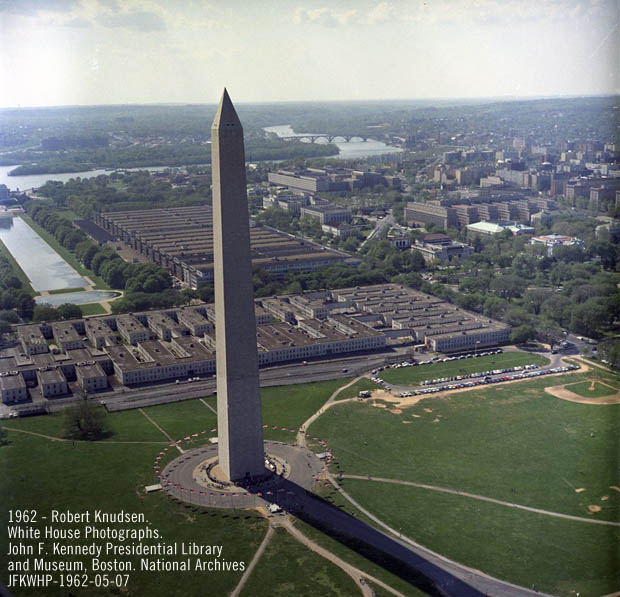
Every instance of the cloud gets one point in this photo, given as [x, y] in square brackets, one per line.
[30, 7]
[504, 12]
[329, 17]
[140, 21]
[77, 23]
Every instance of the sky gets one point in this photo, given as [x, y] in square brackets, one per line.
[68, 52]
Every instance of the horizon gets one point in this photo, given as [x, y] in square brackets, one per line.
[403, 100]
[104, 52]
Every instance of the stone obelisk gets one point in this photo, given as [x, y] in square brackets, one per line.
[239, 419]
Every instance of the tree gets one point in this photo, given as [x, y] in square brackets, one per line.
[549, 331]
[69, 311]
[609, 350]
[45, 312]
[85, 421]
[507, 286]
[522, 334]
[590, 318]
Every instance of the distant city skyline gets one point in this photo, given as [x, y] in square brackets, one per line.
[71, 52]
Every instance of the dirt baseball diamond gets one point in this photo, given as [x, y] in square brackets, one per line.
[565, 394]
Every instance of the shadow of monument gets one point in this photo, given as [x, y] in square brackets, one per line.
[379, 548]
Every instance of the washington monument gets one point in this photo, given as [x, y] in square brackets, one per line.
[239, 420]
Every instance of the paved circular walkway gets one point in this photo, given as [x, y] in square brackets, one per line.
[185, 478]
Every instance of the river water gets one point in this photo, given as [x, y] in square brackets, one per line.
[45, 268]
[354, 149]
[34, 181]
[76, 298]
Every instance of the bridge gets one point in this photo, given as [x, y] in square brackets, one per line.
[328, 138]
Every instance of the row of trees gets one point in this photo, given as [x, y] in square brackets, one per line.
[104, 262]
[15, 298]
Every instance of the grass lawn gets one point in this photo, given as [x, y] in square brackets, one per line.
[290, 406]
[125, 426]
[283, 406]
[585, 389]
[356, 388]
[558, 556]
[65, 290]
[412, 375]
[92, 309]
[46, 475]
[289, 568]
[18, 271]
[67, 255]
[514, 443]
[352, 557]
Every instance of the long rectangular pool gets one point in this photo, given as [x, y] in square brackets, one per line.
[45, 268]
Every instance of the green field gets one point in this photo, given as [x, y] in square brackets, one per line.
[92, 309]
[65, 290]
[358, 386]
[67, 255]
[418, 373]
[561, 557]
[47, 475]
[289, 568]
[585, 389]
[512, 442]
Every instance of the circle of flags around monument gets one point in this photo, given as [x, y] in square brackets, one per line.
[168, 485]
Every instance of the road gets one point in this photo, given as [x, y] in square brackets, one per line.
[381, 227]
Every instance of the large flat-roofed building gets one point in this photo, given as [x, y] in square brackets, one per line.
[13, 387]
[132, 330]
[430, 213]
[473, 338]
[556, 240]
[281, 342]
[315, 180]
[262, 315]
[52, 382]
[164, 326]
[181, 240]
[91, 377]
[195, 320]
[155, 360]
[442, 251]
[327, 214]
[32, 339]
[66, 336]
[425, 317]
[99, 333]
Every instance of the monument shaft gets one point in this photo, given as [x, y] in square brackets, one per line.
[240, 433]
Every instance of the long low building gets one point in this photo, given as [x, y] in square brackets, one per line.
[179, 343]
[180, 239]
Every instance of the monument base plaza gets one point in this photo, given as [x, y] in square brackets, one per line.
[196, 477]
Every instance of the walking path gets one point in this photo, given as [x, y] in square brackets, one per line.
[486, 583]
[482, 498]
[301, 435]
[254, 561]
[162, 430]
[64, 439]
[208, 405]
[355, 573]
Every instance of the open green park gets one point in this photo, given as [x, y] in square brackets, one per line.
[418, 373]
[512, 443]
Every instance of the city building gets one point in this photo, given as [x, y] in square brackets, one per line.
[439, 248]
[181, 240]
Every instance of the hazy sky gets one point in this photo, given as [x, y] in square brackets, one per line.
[57, 52]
